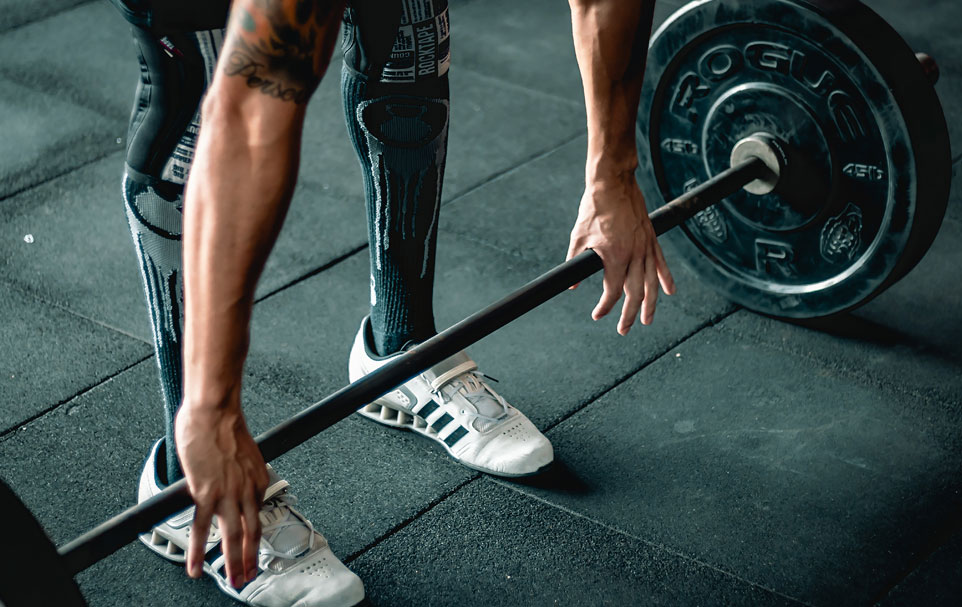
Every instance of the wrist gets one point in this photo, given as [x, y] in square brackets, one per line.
[611, 164]
[212, 398]
[608, 177]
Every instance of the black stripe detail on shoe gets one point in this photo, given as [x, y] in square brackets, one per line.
[214, 554]
[427, 410]
[455, 436]
[442, 421]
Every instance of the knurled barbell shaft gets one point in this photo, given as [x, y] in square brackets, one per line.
[122, 529]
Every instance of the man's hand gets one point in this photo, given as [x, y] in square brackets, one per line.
[611, 42]
[227, 477]
[612, 220]
[241, 182]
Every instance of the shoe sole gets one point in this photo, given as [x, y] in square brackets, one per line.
[172, 552]
[163, 546]
[402, 420]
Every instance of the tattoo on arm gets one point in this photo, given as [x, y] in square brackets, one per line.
[281, 47]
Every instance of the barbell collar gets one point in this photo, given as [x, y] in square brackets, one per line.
[766, 148]
[117, 532]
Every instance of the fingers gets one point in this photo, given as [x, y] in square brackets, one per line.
[252, 534]
[634, 290]
[614, 281]
[232, 537]
[664, 274]
[651, 290]
[199, 532]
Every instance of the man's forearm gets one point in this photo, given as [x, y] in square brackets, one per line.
[236, 199]
[243, 176]
[611, 42]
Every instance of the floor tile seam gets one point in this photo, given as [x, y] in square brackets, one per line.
[465, 236]
[42, 300]
[408, 521]
[312, 273]
[8, 433]
[521, 87]
[498, 175]
[56, 176]
[45, 16]
[461, 194]
[845, 371]
[12, 76]
[711, 322]
[657, 546]
[946, 531]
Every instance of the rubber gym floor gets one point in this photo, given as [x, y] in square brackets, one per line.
[717, 457]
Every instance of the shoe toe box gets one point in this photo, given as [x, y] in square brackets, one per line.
[344, 590]
[320, 580]
[517, 448]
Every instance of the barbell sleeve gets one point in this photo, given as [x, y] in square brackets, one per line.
[113, 534]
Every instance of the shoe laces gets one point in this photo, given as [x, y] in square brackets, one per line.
[287, 534]
[489, 407]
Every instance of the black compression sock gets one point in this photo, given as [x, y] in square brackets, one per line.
[395, 89]
[401, 142]
[154, 217]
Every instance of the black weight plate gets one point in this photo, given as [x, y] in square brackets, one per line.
[869, 166]
[31, 572]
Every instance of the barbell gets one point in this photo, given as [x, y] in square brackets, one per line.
[804, 155]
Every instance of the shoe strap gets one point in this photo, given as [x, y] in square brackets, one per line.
[448, 369]
[185, 519]
[277, 484]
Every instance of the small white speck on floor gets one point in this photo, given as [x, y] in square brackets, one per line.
[28, 238]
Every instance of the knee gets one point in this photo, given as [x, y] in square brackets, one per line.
[404, 121]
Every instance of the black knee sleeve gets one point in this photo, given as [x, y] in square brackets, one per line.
[174, 72]
[177, 44]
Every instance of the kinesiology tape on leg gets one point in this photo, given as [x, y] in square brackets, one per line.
[396, 107]
[175, 71]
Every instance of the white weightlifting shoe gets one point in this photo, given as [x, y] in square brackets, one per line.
[451, 404]
[297, 567]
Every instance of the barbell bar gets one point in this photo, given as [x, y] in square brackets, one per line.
[775, 61]
[115, 533]
[108, 537]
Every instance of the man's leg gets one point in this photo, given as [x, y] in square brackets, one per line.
[395, 89]
[396, 109]
[295, 563]
[175, 70]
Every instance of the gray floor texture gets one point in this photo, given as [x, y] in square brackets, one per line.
[717, 457]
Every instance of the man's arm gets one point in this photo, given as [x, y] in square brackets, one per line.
[237, 194]
[611, 43]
